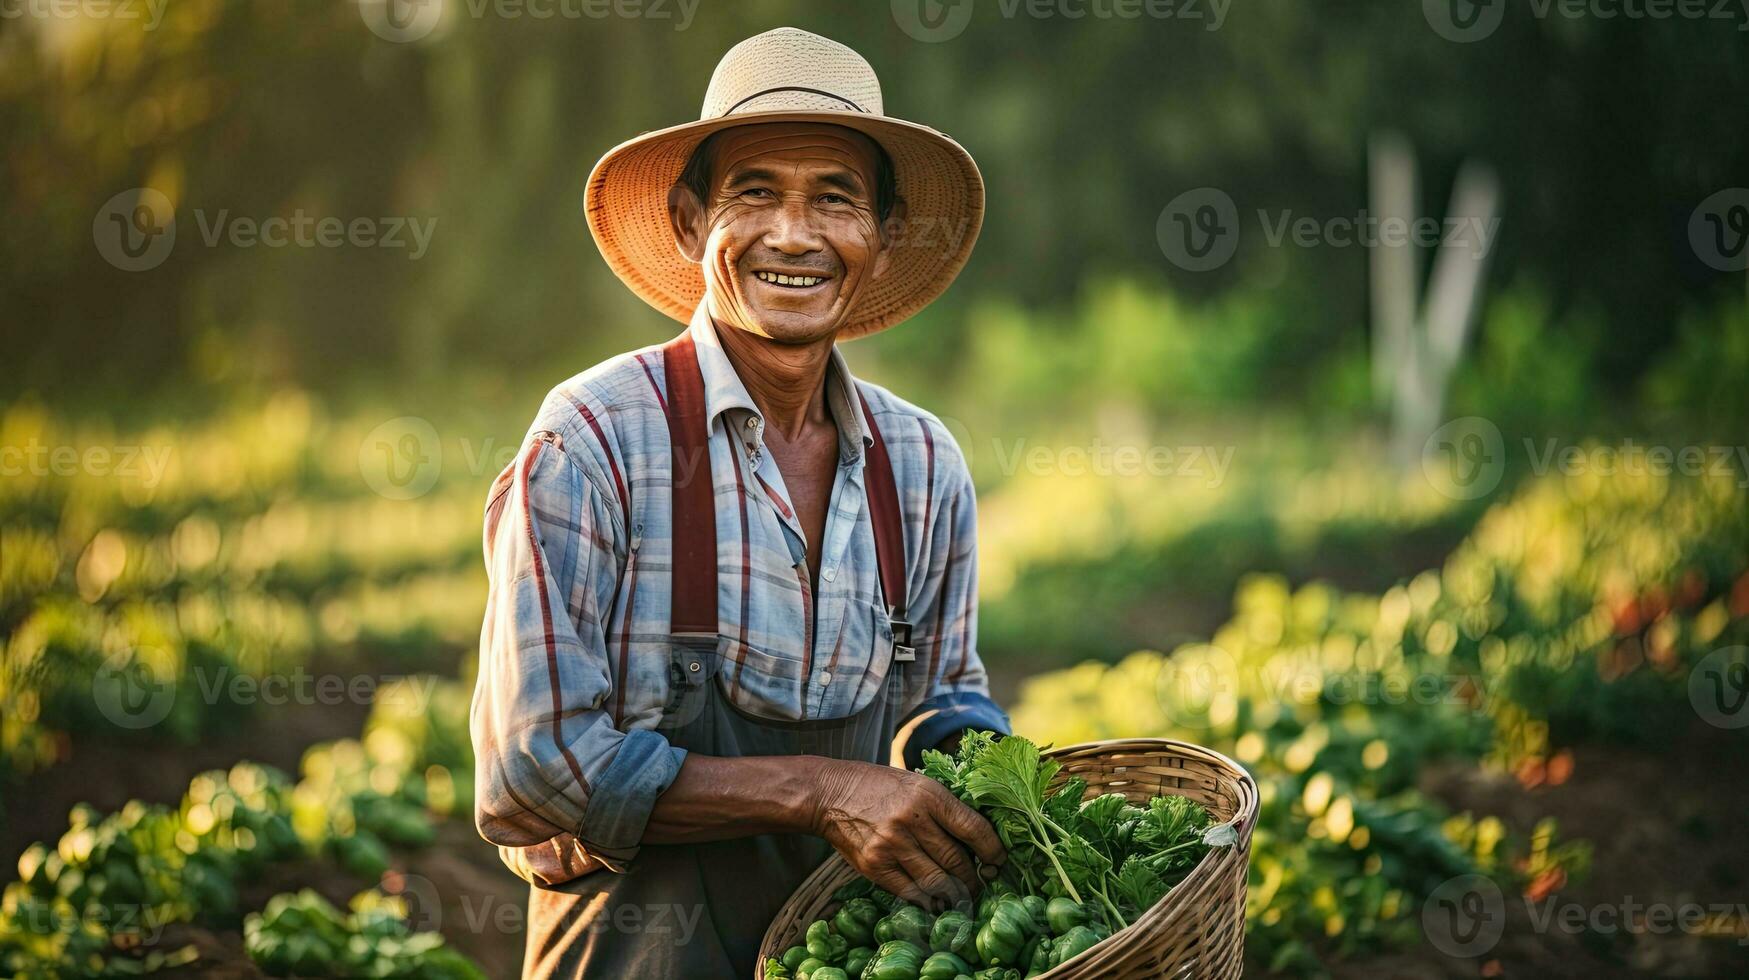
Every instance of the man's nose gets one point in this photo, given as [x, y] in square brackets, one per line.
[792, 229]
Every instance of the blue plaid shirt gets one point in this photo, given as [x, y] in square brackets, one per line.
[574, 649]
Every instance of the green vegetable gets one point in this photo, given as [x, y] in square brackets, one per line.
[943, 966]
[997, 973]
[806, 968]
[1064, 914]
[954, 932]
[1002, 938]
[829, 973]
[855, 921]
[823, 944]
[775, 970]
[1035, 907]
[794, 956]
[857, 959]
[897, 959]
[1072, 944]
[909, 923]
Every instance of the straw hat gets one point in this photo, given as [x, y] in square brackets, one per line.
[790, 75]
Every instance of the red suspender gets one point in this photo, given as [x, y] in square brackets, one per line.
[694, 514]
[693, 608]
[883, 508]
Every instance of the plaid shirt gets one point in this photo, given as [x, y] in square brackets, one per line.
[574, 649]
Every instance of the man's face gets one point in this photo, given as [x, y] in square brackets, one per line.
[789, 237]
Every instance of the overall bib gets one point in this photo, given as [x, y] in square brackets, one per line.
[701, 910]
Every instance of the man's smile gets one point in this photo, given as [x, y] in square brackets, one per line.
[791, 280]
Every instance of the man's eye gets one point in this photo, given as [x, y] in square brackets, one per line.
[834, 199]
[757, 193]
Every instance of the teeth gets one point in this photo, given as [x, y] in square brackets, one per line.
[783, 280]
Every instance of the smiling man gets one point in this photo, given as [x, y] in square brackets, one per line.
[729, 582]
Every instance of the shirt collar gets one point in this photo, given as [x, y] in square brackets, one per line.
[724, 393]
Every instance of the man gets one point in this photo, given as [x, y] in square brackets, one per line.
[727, 579]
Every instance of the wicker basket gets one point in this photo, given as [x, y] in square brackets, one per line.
[1197, 930]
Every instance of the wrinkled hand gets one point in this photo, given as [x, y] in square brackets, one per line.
[905, 832]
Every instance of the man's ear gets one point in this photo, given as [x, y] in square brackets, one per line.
[892, 236]
[687, 219]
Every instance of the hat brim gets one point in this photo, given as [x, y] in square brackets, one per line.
[626, 203]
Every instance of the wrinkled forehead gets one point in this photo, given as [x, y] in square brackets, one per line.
[786, 146]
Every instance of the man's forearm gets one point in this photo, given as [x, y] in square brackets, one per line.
[716, 798]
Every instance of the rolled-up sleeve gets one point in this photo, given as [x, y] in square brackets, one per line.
[944, 616]
[557, 785]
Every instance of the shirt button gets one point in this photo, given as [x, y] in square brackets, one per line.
[829, 573]
[824, 678]
[752, 422]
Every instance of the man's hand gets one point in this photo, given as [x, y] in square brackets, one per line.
[903, 831]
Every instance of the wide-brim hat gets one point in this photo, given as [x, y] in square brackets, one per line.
[790, 75]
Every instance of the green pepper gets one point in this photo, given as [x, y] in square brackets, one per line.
[909, 923]
[807, 968]
[829, 973]
[943, 966]
[1036, 955]
[997, 973]
[954, 932]
[855, 921]
[1001, 938]
[860, 888]
[794, 956]
[1036, 906]
[897, 959]
[823, 944]
[1072, 944]
[1064, 914]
